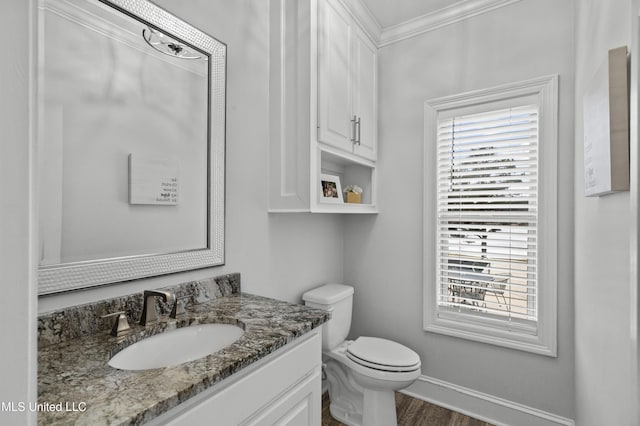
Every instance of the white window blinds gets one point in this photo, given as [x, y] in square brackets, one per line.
[487, 217]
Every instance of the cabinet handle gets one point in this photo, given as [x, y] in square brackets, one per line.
[353, 129]
[358, 130]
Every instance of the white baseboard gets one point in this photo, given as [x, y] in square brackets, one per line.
[482, 406]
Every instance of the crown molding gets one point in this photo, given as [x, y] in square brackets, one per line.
[361, 13]
[451, 14]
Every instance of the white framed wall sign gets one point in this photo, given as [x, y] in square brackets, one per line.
[606, 127]
[153, 181]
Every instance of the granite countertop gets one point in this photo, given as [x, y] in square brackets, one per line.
[77, 386]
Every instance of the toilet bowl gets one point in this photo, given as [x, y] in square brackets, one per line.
[364, 373]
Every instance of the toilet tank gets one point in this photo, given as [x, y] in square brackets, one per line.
[338, 299]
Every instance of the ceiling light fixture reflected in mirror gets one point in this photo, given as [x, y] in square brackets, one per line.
[165, 45]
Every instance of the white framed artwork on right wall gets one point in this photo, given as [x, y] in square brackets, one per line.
[606, 127]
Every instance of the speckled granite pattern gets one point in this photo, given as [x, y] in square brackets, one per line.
[74, 371]
[84, 320]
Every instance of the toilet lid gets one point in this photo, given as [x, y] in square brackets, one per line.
[383, 354]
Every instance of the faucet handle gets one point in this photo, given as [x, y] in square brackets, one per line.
[120, 325]
[178, 307]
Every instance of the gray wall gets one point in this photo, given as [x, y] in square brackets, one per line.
[603, 306]
[17, 255]
[524, 40]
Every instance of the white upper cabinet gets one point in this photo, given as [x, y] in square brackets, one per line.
[335, 82]
[347, 81]
[323, 108]
[365, 94]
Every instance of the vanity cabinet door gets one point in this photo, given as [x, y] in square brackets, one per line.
[298, 407]
[335, 83]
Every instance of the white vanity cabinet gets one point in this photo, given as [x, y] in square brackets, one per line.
[347, 82]
[284, 388]
[323, 111]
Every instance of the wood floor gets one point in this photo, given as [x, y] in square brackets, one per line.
[413, 412]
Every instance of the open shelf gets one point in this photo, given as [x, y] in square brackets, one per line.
[352, 170]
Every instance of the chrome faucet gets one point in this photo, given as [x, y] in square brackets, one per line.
[149, 312]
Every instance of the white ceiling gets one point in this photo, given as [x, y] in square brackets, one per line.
[393, 12]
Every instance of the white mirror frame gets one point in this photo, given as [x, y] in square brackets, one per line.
[73, 276]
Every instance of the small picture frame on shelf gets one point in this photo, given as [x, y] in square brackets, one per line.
[330, 189]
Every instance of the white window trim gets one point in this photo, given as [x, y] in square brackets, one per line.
[544, 342]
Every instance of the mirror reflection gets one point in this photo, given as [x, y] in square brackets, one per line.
[124, 134]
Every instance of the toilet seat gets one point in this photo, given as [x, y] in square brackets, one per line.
[339, 354]
[383, 355]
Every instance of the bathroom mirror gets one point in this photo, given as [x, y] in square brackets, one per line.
[131, 144]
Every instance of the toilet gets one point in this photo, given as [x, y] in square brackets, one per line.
[362, 374]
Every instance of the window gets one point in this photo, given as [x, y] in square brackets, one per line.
[490, 216]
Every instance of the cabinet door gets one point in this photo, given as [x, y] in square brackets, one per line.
[301, 406]
[365, 93]
[335, 89]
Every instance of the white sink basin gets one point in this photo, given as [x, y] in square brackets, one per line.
[176, 346]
